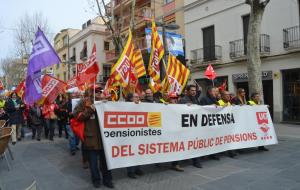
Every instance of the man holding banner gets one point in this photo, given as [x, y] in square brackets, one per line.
[85, 112]
[189, 99]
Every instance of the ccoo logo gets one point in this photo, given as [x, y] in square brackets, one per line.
[132, 119]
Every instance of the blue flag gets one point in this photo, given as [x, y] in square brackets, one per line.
[43, 55]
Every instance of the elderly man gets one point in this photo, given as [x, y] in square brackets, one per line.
[189, 99]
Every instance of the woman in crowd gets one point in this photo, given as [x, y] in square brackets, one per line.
[14, 108]
[240, 98]
[133, 170]
[173, 99]
[62, 115]
[49, 113]
[85, 112]
[36, 121]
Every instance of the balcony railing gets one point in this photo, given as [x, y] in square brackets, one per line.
[141, 43]
[206, 55]
[291, 38]
[238, 48]
[140, 16]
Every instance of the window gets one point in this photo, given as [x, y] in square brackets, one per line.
[73, 58]
[83, 53]
[106, 72]
[65, 40]
[64, 57]
[246, 19]
[209, 43]
[106, 46]
[168, 1]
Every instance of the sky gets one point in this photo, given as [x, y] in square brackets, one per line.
[59, 13]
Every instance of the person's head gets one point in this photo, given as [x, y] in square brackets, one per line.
[225, 95]
[212, 92]
[255, 97]
[14, 95]
[142, 95]
[148, 94]
[191, 90]
[241, 92]
[88, 96]
[135, 98]
[173, 98]
[129, 97]
[218, 93]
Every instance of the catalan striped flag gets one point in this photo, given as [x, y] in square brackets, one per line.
[157, 53]
[177, 75]
[122, 69]
[139, 63]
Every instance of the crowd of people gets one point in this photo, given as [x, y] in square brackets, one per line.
[57, 115]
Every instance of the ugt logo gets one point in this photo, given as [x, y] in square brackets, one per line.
[262, 120]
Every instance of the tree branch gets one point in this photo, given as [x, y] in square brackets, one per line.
[249, 2]
[264, 3]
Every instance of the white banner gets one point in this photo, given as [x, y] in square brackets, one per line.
[138, 134]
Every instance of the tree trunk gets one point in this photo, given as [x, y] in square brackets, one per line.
[253, 48]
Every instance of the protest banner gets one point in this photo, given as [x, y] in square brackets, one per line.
[146, 133]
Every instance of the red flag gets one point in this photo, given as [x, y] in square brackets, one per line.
[78, 128]
[20, 89]
[52, 87]
[223, 86]
[210, 73]
[72, 83]
[87, 72]
[1, 85]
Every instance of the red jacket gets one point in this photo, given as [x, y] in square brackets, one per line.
[49, 111]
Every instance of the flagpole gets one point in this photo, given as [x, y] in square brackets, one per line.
[94, 90]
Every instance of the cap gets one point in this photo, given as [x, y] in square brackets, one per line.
[172, 95]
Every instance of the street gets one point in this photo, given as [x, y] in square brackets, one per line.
[52, 166]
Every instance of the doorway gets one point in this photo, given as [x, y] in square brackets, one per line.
[268, 92]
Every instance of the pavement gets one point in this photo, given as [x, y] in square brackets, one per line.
[52, 167]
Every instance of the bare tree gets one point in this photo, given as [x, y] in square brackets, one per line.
[253, 45]
[105, 11]
[25, 32]
[14, 71]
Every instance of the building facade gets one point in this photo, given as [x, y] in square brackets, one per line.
[61, 46]
[166, 11]
[81, 45]
[216, 32]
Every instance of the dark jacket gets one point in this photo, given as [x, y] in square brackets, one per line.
[92, 137]
[189, 100]
[237, 101]
[15, 114]
[62, 112]
[35, 115]
[208, 100]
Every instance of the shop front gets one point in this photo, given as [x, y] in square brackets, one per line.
[240, 80]
[291, 95]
